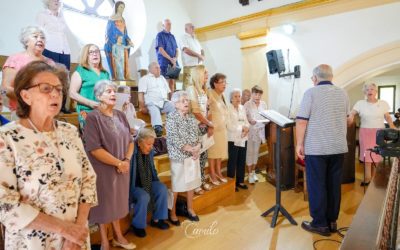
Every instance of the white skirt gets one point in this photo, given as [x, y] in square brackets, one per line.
[179, 183]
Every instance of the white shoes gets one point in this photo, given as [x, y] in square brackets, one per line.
[251, 179]
[255, 177]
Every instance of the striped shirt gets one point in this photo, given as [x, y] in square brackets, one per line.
[325, 107]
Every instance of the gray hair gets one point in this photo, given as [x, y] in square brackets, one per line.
[47, 3]
[235, 90]
[123, 89]
[145, 133]
[101, 86]
[27, 32]
[176, 96]
[366, 85]
[152, 64]
[323, 72]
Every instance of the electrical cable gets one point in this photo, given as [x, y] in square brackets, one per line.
[315, 242]
[291, 98]
[339, 232]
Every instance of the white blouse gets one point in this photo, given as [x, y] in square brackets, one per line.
[237, 120]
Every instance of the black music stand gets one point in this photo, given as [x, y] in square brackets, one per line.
[281, 122]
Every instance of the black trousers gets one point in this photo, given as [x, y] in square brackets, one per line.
[324, 179]
[236, 161]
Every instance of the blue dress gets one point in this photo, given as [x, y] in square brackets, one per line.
[115, 29]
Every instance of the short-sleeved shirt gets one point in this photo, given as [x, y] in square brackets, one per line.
[166, 41]
[325, 107]
[89, 79]
[155, 89]
[46, 172]
[55, 27]
[198, 100]
[16, 62]
[193, 44]
[372, 114]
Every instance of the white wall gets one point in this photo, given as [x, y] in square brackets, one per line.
[333, 40]
[224, 56]
[207, 12]
[14, 16]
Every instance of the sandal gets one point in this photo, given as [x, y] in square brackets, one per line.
[206, 187]
[199, 191]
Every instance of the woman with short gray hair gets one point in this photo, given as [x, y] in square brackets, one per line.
[33, 39]
[109, 147]
[238, 128]
[373, 113]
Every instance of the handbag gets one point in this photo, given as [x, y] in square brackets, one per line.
[160, 146]
[173, 72]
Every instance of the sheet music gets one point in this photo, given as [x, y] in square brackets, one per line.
[121, 99]
[192, 169]
[277, 118]
[206, 142]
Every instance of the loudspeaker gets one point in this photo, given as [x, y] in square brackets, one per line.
[297, 71]
[276, 64]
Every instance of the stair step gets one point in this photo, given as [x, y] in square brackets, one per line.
[209, 198]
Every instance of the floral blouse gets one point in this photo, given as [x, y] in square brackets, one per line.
[181, 130]
[37, 177]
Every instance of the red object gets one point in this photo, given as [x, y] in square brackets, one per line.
[301, 162]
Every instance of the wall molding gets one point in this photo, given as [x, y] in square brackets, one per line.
[274, 17]
[262, 32]
[254, 46]
[369, 64]
[264, 14]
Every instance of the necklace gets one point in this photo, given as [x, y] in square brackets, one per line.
[46, 140]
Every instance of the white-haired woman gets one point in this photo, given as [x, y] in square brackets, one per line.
[238, 128]
[372, 112]
[183, 144]
[109, 146]
[34, 41]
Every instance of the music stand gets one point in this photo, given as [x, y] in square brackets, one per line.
[281, 122]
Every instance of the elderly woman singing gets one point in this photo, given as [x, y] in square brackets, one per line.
[183, 151]
[110, 147]
[47, 184]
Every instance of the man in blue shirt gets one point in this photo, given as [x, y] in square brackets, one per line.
[167, 51]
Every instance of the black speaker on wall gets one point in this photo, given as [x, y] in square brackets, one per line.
[276, 63]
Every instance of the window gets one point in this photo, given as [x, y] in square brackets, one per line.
[388, 94]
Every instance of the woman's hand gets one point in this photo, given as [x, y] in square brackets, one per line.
[123, 167]
[210, 131]
[68, 245]
[75, 233]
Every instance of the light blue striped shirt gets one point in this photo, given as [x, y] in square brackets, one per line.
[325, 107]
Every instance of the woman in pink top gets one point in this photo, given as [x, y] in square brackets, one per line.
[34, 41]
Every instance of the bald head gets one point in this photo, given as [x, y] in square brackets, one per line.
[154, 68]
[189, 28]
[323, 72]
[167, 25]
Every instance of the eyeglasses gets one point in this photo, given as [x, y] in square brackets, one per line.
[47, 88]
[92, 52]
